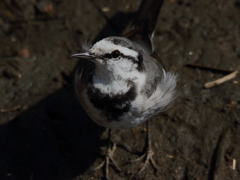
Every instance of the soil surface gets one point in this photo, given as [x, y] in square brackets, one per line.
[46, 135]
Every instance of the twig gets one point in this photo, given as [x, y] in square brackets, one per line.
[221, 80]
[31, 177]
[8, 110]
[209, 68]
[234, 164]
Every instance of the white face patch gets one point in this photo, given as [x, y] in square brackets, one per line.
[105, 46]
[122, 65]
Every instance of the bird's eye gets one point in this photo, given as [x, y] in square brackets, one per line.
[115, 54]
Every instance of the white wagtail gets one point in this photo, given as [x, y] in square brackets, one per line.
[121, 82]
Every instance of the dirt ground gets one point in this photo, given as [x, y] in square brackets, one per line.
[46, 135]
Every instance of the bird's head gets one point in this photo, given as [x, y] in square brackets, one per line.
[115, 55]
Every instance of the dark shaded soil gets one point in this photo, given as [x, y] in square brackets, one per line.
[46, 135]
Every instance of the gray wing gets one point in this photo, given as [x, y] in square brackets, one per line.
[154, 76]
[160, 86]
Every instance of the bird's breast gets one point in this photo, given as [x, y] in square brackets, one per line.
[111, 105]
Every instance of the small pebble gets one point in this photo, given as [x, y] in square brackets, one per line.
[105, 9]
[24, 53]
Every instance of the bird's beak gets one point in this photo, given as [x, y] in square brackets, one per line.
[84, 55]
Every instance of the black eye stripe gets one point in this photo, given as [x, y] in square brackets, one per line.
[110, 56]
[107, 56]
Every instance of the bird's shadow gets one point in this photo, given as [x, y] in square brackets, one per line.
[54, 139]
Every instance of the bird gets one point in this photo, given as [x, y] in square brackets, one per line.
[121, 81]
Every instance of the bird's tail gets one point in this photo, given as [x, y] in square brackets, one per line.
[144, 23]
